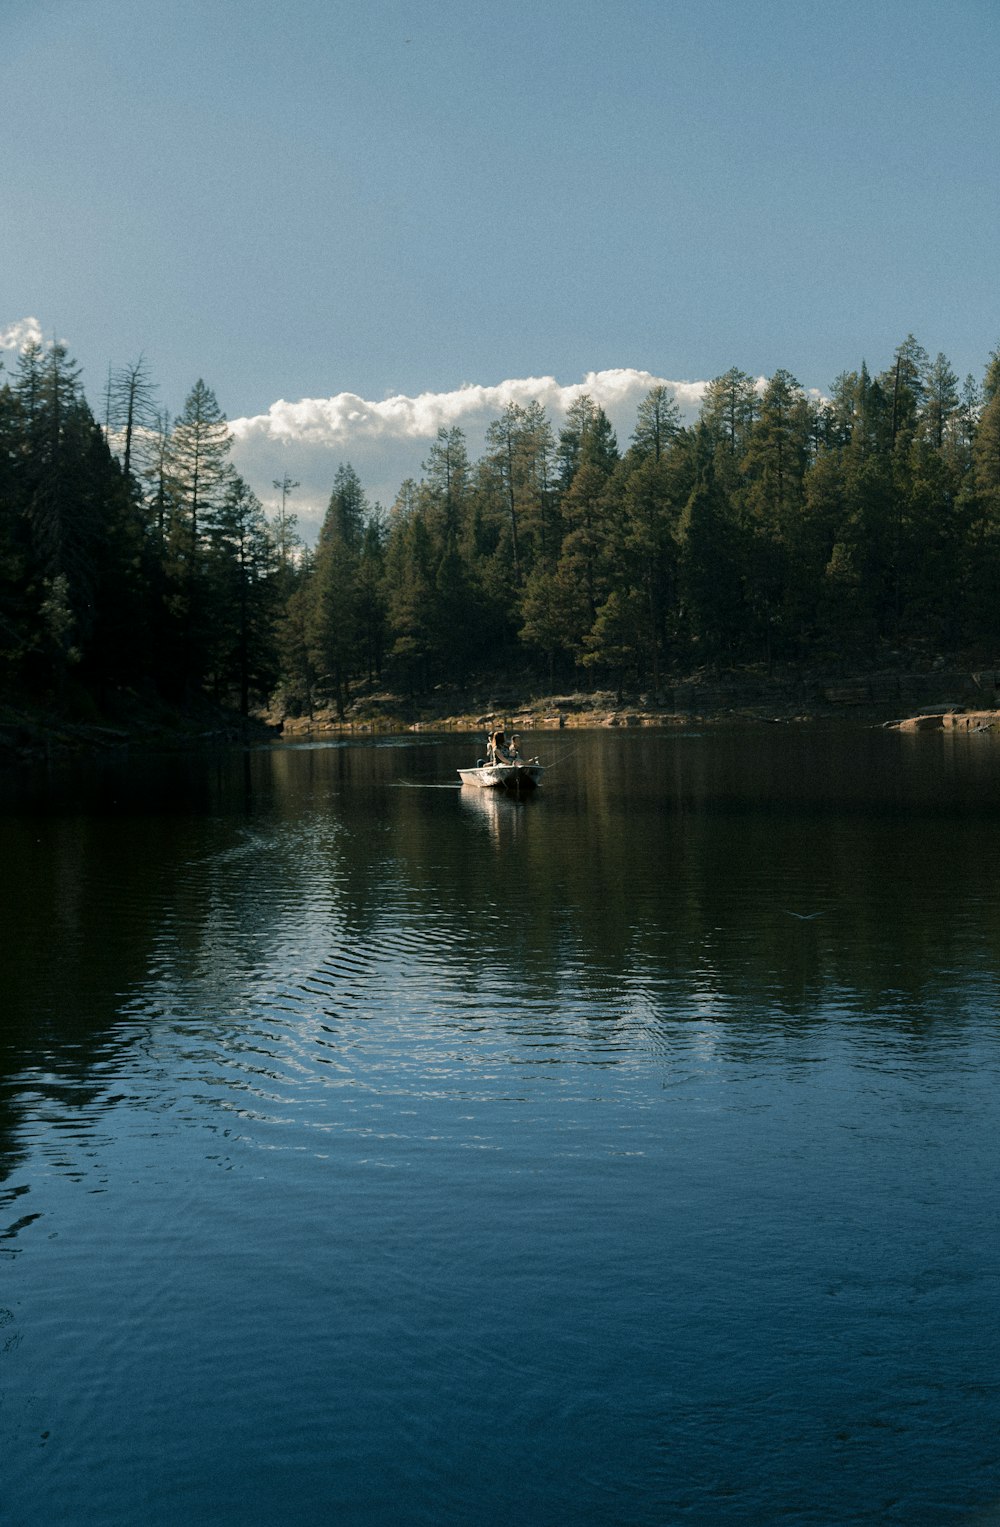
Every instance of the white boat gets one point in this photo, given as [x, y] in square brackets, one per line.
[503, 768]
[518, 777]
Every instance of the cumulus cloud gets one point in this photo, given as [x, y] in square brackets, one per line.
[17, 336]
[347, 417]
[388, 441]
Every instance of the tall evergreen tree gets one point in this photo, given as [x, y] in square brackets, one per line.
[556, 615]
[618, 638]
[447, 482]
[986, 455]
[372, 609]
[504, 464]
[940, 402]
[287, 541]
[198, 468]
[991, 381]
[906, 386]
[298, 677]
[335, 615]
[242, 586]
[579, 414]
[63, 499]
[982, 581]
[709, 571]
[774, 469]
[539, 513]
[156, 474]
[658, 422]
[199, 477]
[728, 411]
[16, 611]
[646, 508]
[411, 587]
[586, 506]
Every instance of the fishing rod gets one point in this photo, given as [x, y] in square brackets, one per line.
[562, 757]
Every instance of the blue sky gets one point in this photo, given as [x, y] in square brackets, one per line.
[392, 198]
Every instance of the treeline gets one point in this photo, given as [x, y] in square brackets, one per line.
[776, 528]
[149, 568]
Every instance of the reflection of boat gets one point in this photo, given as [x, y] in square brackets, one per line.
[503, 768]
[501, 812]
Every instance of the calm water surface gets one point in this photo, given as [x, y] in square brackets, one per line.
[374, 1151]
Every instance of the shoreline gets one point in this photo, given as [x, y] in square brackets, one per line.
[969, 698]
[952, 699]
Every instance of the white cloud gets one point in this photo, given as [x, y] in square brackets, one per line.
[347, 417]
[388, 441]
[24, 332]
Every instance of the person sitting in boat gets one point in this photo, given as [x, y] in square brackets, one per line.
[512, 754]
[495, 750]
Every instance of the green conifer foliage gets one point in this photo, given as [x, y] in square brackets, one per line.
[335, 607]
[242, 588]
[775, 528]
[658, 422]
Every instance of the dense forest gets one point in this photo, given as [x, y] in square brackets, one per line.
[777, 528]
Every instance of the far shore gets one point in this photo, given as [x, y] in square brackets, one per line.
[949, 698]
[940, 698]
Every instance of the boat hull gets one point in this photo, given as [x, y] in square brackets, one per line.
[518, 778]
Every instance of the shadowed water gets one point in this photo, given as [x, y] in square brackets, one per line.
[377, 1151]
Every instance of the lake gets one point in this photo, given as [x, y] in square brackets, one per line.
[374, 1151]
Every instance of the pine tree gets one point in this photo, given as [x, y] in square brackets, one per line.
[728, 411]
[412, 599]
[991, 381]
[119, 637]
[504, 472]
[618, 639]
[578, 416]
[285, 528]
[156, 473]
[709, 569]
[65, 484]
[132, 411]
[774, 468]
[586, 506]
[447, 482]
[539, 516]
[906, 386]
[347, 509]
[940, 402]
[982, 580]
[241, 569]
[658, 422]
[16, 610]
[986, 456]
[198, 477]
[198, 469]
[335, 615]
[372, 609]
[556, 615]
[298, 677]
[647, 494]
